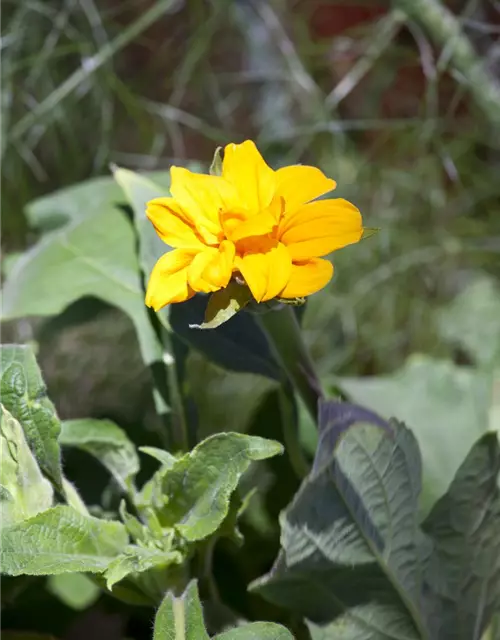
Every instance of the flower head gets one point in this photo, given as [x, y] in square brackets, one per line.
[251, 222]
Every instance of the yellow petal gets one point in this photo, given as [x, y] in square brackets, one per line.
[203, 197]
[168, 281]
[300, 184]
[246, 170]
[212, 268]
[172, 224]
[258, 225]
[320, 227]
[307, 277]
[266, 274]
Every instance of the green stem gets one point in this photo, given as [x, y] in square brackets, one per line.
[444, 28]
[285, 337]
[290, 433]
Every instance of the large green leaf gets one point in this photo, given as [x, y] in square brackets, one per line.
[107, 442]
[445, 405]
[194, 493]
[76, 590]
[464, 569]
[94, 255]
[24, 491]
[24, 396]
[351, 535]
[138, 190]
[472, 321]
[61, 540]
[180, 618]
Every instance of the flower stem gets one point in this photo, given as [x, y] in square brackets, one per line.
[285, 337]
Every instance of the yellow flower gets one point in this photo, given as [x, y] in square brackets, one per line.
[264, 226]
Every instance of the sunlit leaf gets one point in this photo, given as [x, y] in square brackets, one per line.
[24, 395]
[105, 441]
[24, 491]
[60, 540]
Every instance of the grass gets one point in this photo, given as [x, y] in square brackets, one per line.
[145, 85]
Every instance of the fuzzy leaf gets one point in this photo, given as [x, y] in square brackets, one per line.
[223, 305]
[136, 560]
[180, 618]
[60, 540]
[197, 489]
[24, 395]
[24, 490]
[105, 441]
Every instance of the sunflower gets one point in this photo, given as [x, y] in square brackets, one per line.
[264, 227]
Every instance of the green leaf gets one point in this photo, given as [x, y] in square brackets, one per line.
[464, 568]
[351, 535]
[138, 191]
[107, 442]
[257, 631]
[197, 489]
[216, 166]
[472, 320]
[180, 618]
[24, 490]
[95, 255]
[218, 394]
[385, 622]
[237, 345]
[75, 590]
[24, 395]
[368, 233]
[166, 458]
[223, 305]
[445, 405]
[136, 560]
[60, 540]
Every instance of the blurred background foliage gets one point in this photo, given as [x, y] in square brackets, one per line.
[354, 87]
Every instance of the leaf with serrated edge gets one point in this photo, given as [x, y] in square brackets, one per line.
[224, 304]
[105, 441]
[25, 492]
[180, 617]
[24, 395]
[352, 530]
[136, 559]
[60, 540]
[198, 487]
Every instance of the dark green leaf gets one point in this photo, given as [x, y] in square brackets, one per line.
[238, 345]
[24, 396]
[351, 534]
[464, 569]
[61, 540]
[223, 305]
[180, 618]
[197, 489]
[107, 442]
[445, 405]
[24, 490]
